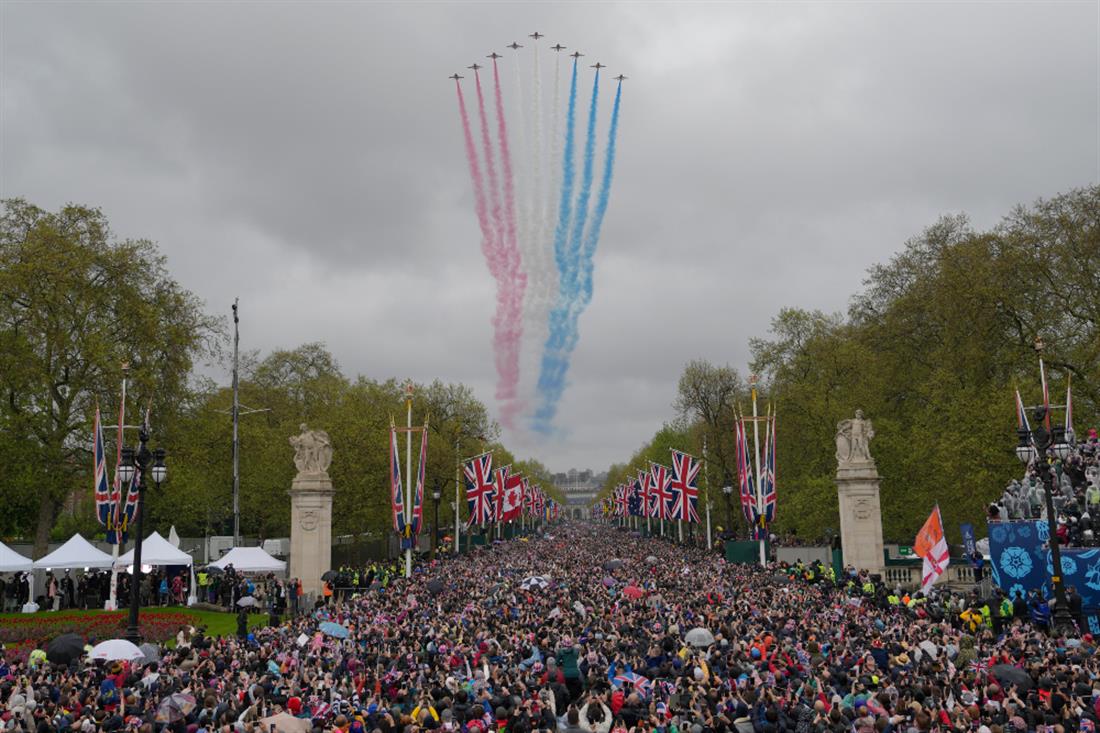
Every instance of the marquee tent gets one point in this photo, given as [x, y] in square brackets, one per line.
[12, 562]
[250, 560]
[76, 553]
[155, 550]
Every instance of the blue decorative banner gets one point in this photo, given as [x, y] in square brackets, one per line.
[969, 543]
[1021, 562]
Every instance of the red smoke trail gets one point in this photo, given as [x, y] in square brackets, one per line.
[480, 206]
[513, 267]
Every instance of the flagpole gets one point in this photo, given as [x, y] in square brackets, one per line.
[116, 510]
[458, 473]
[706, 480]
[756, 459]
[408, 479]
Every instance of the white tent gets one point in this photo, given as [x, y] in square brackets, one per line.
[76, 553]
[12, 562]
[250, 560]
[155, 550]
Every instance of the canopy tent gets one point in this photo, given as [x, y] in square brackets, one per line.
[155, 550]
[250, 560]
[76, 553]
[12, 562]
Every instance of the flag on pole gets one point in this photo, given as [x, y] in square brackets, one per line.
[397, 495]
[511, 502]
[931, 545]
[685, 494]
[129, 510]
[646, 493]
[103, 508]
[769, 475]
[744, 475]
[1021, 414]
[1046, 393]
[660, 478]
[480, 488]
[1069, 408]
[418, 497]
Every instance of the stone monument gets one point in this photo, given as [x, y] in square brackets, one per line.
[857, 482]
[311, 509]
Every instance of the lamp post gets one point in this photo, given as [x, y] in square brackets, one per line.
[140, 464]
[728, 491]
[1035, 445]
[435, 518]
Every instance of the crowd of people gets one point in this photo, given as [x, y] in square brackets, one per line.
[590, 629]
[1075, 495]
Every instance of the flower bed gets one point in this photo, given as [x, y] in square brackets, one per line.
[21, 634]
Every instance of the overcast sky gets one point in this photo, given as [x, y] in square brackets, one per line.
[307, 158]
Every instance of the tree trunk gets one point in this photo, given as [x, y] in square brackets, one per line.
[47, 511]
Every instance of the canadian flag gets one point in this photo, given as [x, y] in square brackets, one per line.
[932, 546]
[510, 491]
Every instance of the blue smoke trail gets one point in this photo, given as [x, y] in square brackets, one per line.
[593, 237]
[575, 283]
[558, 315]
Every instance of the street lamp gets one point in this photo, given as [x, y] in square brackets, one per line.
[435, 519]
[728, 491]
[1037, 443]
[143, 464]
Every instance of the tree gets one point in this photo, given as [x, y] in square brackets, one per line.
[75, 305]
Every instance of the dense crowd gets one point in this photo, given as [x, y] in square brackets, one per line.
[1075, 495]
[552, 634]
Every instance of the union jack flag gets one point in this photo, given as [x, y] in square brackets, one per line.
[480, 489]
[621, 504]
[660, 478]
[397, 494]
[769, 475]
[644, 492]
[685, 494]
[539, 502]
[418, 498]
[129, 511]
[744, 475]
[103, 506]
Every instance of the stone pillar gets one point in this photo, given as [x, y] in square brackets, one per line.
[311, 509]
[857, 483]
[860, 517]
[311, 530]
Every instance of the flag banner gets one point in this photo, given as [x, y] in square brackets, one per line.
[397, 495]
[500, 480]
[620, 501]
[418, 497]
[746, 483]
[634, 498]
[685, 494]
[931, 545]
[970, 544]
[769, 495]
[480, 490]
[646, 493]
[661, 480]
[133, 494]
[103, 508]
[512, 499]
[1021, 414]
[1046, 393]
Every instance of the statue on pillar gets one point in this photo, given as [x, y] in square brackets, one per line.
[853, 438]
[312, 451]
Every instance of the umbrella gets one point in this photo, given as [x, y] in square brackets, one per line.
[246, 601]
[331, 628]
[929, 648]
[213, 570]
[287, 723]
[435, 586]
[633, 592]
[175, 707]
[150, 652]
[579, 608]
[652, 560]
[614, 564]
[1006, 674]
[113, 649]
[699, 637]
[65, 649]
[608, 582]
[781, 579]
[330, 575]
[535, 581]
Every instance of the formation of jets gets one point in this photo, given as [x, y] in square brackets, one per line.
[536, 35]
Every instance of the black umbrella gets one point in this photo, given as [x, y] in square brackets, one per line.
[65, 649]
[435, 586]
[213, 570]
[613, 564]
[1007, 675]
[330, 575]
